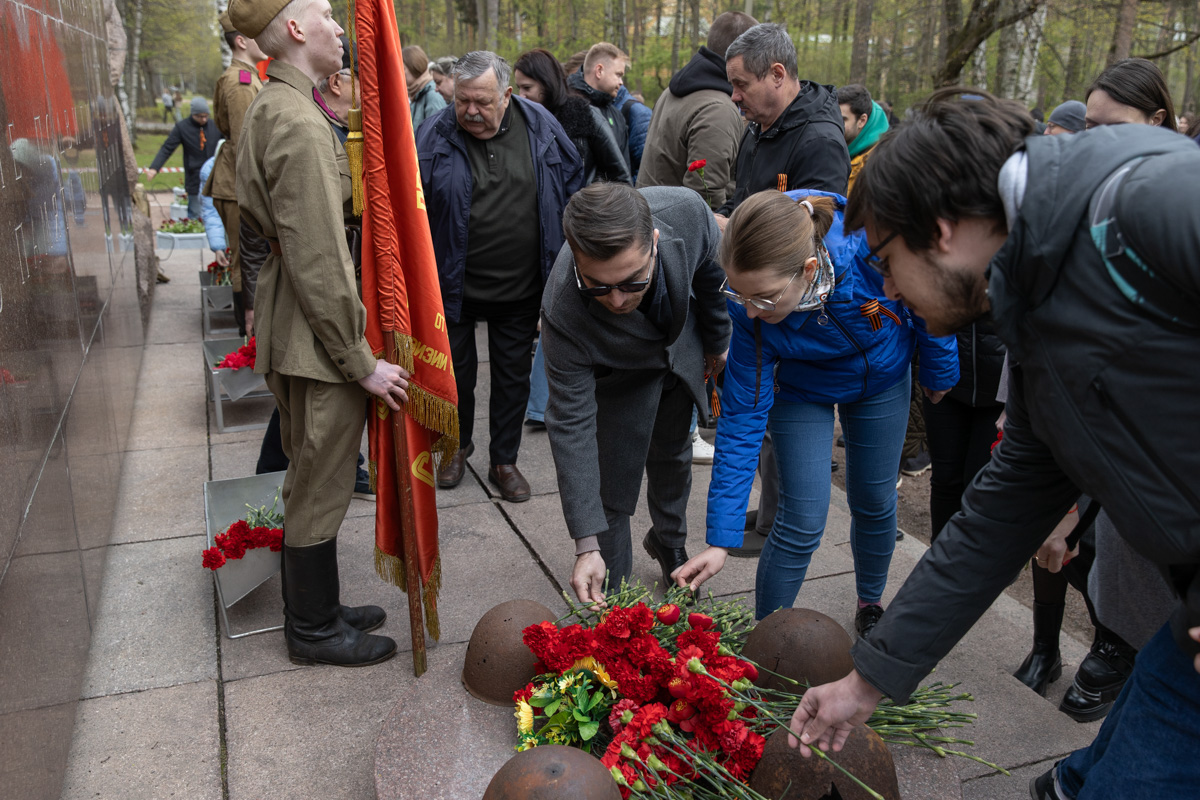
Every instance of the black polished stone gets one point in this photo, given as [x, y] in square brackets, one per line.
[71, 337]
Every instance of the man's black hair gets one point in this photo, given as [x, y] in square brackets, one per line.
[941, 164]
[857, 97]
[231, 38]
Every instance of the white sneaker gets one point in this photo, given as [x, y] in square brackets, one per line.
[702, 451]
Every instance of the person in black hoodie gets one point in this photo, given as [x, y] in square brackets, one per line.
[539, 77]
[199, 136]
[1082, 249]
[695, 120]
[796, 138]
[598, 81]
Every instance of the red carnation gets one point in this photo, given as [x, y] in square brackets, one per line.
[668, 614]
[697, 164]
[213, 558]
[700, 621]
[680, 710]
[523, 694]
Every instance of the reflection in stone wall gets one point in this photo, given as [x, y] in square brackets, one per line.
[71, 336]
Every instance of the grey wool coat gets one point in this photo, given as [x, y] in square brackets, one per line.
[606, 371]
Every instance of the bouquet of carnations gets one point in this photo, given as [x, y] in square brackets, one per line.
[221, 276]
[242, 357]
[262, 527]
[665, 698]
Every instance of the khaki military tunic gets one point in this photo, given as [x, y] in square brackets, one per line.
[293, 182]
[236, 89]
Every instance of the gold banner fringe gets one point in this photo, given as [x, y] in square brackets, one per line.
[391, 569]
[429, 411]
[373, 475]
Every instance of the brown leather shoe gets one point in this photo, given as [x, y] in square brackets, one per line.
[451, 473]
[512, 484]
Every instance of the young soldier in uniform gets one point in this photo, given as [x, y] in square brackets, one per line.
[293, 182]
[236, 88]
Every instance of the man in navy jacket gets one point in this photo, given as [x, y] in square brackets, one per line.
[497, 172]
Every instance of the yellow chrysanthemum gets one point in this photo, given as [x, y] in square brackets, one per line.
[527, 744]
[524, 715]
[593, 666]
[567, 681]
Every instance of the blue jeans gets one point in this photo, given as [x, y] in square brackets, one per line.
[1149, 744]
[803, 435]
[194, 206]
[539, 388]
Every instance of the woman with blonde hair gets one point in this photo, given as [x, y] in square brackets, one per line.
[812, 329]
[423, 98]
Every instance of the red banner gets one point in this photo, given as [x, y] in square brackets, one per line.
[405, 322]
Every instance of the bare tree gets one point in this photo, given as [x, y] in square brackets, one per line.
[860, 49]
[1123, 34]
[961, 36]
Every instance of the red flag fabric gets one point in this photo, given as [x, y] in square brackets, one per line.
[405, 320]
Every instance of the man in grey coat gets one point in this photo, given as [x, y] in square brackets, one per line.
[632, 321]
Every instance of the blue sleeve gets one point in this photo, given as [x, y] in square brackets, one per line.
[639, 115]
[939, 358]
[740, 431]
[168, 147]
[208, 212]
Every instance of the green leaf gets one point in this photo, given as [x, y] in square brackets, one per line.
[582, 717]
[541, 701]
[588, 729]
[553, 707]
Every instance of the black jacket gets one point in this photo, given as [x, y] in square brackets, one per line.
[1103, 401]
[595, 141]
[199, 145]
[807, 143]
[980, 362]
[604, 103]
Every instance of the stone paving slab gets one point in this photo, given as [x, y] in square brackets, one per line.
[173, 365]
[156, 744]
[161, 494]
[165, 417]
[309, 734]
[172, 325]
[155, 622]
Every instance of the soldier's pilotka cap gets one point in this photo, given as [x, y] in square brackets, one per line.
[226, 24]
[250, 17]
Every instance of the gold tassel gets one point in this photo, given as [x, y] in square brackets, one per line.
[354, 152]
[373, 475]
[391, 569]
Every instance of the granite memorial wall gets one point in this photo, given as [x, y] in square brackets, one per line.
[71, 335]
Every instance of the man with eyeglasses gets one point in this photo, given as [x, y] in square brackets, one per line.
[632, 321]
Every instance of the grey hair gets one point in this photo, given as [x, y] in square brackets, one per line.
[762, 46]
[323, 86]
[443, 65]
[475, 63]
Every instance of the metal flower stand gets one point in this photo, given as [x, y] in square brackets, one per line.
[224, 504]
[215, 300]
[230, 385]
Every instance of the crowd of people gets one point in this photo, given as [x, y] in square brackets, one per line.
[795, 249]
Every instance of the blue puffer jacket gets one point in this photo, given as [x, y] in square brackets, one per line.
[804, 360]
[446, 180]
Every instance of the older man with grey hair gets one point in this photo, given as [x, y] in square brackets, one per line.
[795, 139]
[497, 172]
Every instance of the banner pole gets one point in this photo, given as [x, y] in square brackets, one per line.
[408, 528]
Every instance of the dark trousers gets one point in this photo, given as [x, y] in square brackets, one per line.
[668, 483]
[960, 444]
[511, 328]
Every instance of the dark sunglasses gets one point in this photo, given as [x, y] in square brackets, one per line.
[629, 287]
[876, 263]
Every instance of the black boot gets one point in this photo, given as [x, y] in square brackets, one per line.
[1043, 665]
[668, 558]
[314, 631]
[1100, 678]
[365, 618]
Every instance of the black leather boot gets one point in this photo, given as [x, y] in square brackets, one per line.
[314, 631]
[365, 618]
[1100, 678]
[668, 558]
[1043, 665]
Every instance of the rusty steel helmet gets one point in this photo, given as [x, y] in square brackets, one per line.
[799, 643]
[785, 774]
[498, 663]
[552, 772]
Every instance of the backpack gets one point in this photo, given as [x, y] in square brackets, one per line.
[1152, 291]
